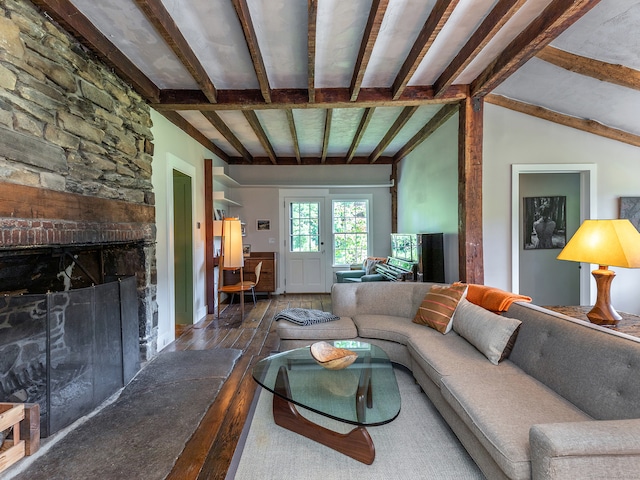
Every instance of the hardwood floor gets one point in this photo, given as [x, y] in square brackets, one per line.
[208, 453]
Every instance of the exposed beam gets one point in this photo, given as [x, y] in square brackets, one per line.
[444, 114]
[590, 126]
[555, 19]
[376, 14]
[317, 160]
[298, 99]
[311, 49]
[74, 22]
[244, 16]
[179, 121]
[327, 133]
[294, 134]
[400, 122]
[226, 132]
[432, 27]
[208, 234]
[362, 127]
[499, 15]
[159, 17]
[470, 133]
[252, 118]
[606, 72]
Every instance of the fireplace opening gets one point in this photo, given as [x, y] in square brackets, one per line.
[70, 326]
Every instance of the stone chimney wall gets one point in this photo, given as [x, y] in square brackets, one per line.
[76, 150]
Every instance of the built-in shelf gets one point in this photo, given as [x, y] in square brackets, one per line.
[222, 198]
[222, 178]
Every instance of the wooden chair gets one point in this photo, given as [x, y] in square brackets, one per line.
[250, 285]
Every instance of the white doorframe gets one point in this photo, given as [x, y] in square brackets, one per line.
[588, 210]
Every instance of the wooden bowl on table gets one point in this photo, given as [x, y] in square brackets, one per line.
[332, 358]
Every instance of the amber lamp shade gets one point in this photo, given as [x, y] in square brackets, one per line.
[607, 243]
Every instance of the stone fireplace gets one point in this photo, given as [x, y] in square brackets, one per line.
[77, 212]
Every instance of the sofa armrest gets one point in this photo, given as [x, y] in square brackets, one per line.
[592, 449]
[374, 277]
[341, 275]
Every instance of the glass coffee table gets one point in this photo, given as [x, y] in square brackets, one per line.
[363, 394]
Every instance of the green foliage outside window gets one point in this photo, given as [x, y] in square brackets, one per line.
[305, 230]
[350, 231]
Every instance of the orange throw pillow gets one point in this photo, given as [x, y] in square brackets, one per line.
[439, 305]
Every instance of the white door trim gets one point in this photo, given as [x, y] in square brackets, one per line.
[588, 210]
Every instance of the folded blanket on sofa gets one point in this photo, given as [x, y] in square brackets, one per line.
[492, 298]
[304, 316]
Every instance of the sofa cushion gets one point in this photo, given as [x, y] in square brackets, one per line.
[500, 406]
[342, 329]
[439, 306]
[491, 334]
[441, 355]
[386, 327]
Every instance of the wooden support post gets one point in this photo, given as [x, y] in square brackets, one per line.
[470, 137]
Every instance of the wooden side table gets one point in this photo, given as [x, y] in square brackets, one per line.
[630, 323]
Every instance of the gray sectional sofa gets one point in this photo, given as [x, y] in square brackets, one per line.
[565, 404]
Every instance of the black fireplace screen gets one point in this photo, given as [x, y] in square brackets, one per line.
[68, 351]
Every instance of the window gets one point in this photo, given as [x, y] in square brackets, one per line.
[305, 227]
[350, 220]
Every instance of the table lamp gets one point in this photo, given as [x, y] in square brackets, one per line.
[607, 243]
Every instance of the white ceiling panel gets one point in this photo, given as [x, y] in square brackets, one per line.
[276, 127]
[310, 129]
[198, 120]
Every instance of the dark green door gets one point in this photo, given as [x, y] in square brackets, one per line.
[183, 248]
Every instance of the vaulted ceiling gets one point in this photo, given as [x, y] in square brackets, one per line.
[363, 81]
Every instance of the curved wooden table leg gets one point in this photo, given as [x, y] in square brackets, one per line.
[356, 444]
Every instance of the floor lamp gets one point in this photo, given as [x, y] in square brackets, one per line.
[607, 243]
[231, 256]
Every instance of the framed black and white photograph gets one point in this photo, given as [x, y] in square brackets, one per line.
[630, 208]
[246, 250]
[263, 225]
[545, 222]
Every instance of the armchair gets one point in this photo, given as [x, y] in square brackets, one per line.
[366, 274]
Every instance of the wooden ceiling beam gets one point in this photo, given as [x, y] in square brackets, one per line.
[180, 122]
[226, 132]
[555, 19]
[384, 160]
[589, 126]
[74, 22]
[400, 122]
[437, 18]
[298, 99]
[603, 71]
[311, 49]
[444, 114]
[159, 17]
[327, 133]
[490, 26]
[242, 10]
[294, 134]
[376, 15]
[362, 127]
[253, 120]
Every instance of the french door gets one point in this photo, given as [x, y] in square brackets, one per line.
[305, 265]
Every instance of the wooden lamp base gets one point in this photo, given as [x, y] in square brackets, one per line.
[603, 312]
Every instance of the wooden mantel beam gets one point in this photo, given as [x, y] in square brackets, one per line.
[470, 247]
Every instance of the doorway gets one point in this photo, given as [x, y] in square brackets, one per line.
[182, 248]
[532, 273]
[304, 246]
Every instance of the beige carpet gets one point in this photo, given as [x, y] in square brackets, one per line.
[417, 444]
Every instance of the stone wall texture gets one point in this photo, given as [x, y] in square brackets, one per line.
[69, 124]
[94, 129]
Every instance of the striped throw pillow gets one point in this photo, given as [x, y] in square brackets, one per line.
[439, 305]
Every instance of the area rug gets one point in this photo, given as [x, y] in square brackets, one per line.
[417, 444]
[142, 433]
